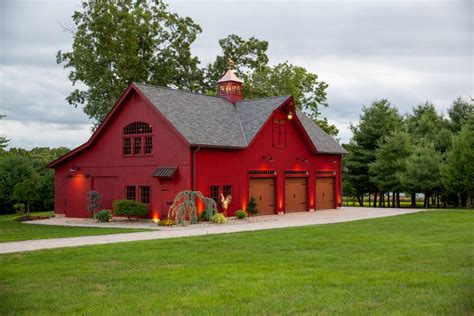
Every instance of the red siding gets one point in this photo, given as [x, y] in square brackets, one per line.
[224, 167]
[105, 169]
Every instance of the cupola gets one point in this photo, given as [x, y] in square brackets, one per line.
[230, 86]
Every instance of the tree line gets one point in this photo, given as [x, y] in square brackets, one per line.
[25, 182]
[422, 152]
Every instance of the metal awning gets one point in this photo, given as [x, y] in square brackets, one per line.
[165, 172]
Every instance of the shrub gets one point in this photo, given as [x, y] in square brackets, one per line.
[252, 206]
[19, 208]
[130, 208]
[103, 216]
[166, 222]
[206, 216]
[94, 202]
[240, 214]
[218, 218]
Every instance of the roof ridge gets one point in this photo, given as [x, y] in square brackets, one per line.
[180, 90]
[272, 97]
[240, 124]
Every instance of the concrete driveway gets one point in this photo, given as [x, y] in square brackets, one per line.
[266, 222]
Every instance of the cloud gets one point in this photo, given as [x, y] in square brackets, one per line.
[38, 134]
[406, 51]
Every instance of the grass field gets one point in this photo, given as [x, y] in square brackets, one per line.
[414, 264]
[11, 230]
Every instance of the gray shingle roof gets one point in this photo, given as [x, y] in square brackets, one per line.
[201, 119]
[254, 113]
[322, 141]
[214, 122]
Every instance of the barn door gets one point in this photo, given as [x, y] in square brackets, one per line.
[263, 190]
[324, 193]
[76, 200]
[295, 195]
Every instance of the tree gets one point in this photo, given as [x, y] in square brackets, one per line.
[262, 80]
[119, 42]
[26, 192]
[425, 123]
[459, 113]
[94, 202]
[3, 140]
[458, 171]
[422, 173]
[248, 56]
[14, 169]
[391, 158]
[376, 122]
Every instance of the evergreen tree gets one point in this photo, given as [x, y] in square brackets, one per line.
[458, 172]
[426, 124]
[391, 158]
[376, 122]
[422, 173]
[459, 113]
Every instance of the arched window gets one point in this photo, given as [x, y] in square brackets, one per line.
[137, 139]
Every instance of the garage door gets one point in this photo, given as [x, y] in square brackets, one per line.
[324, 193]
[263, 190]
[295, 195]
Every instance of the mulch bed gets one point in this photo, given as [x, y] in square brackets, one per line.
[26, 218]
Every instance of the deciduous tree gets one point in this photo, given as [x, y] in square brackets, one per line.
[118, 42]
[14, 169]
[26, 192]
[263, 80]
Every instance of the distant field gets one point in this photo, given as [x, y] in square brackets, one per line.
[414, 264]
[11, 230]
[354, 202]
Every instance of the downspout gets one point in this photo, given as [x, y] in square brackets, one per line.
[194, 167]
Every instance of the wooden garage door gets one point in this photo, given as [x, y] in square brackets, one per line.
[263, 190]
[295, 195]
[324, 193]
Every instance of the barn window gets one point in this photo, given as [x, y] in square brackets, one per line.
[145, 194]
[137, 139]
[127, 146]
[148, 145]
[227, 190]
[131, 192]
[215, 193]
[279, 133]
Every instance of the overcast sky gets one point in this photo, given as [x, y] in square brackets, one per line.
[406, 51]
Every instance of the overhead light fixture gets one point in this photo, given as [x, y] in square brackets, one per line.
[290, 115]
[268, 158]
[302, 159]
[74, 168]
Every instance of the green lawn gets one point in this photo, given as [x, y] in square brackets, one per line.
[11, 230]
[412, 264]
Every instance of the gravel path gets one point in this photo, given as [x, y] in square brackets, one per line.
[256, 223]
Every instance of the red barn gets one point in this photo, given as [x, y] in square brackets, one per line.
[156, 142]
